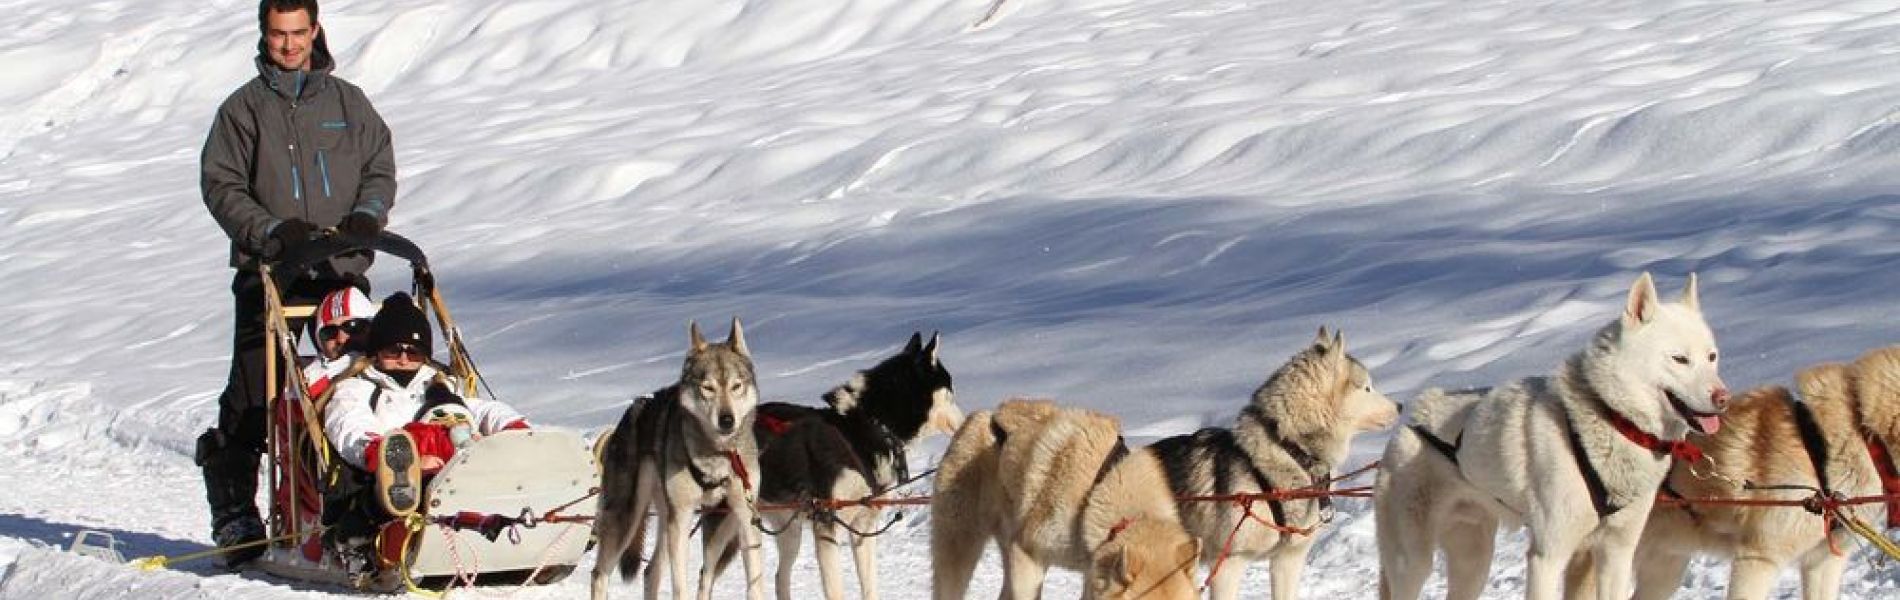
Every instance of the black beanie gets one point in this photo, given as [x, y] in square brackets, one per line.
[400, 322]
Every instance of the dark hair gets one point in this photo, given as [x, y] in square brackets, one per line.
[266, 7]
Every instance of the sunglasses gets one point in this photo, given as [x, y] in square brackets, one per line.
[402, 351]
[352, 327]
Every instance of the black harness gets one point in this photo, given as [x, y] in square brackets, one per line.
[1812, 441]
[1592, 479]
[1115, 456]
[1316, 472]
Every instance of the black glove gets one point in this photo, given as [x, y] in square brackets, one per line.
[288, 237]
[361, 225]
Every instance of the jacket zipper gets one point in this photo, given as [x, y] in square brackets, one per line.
[323, 170]
[296, 160]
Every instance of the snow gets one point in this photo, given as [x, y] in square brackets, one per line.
[1137, 206]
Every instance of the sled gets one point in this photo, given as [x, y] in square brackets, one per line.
[515, 507]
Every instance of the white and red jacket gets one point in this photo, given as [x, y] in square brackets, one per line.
[320, 373]
[366, 406]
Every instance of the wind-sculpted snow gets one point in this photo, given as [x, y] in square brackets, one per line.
[1139, 206]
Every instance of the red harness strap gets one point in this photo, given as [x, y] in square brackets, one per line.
[775, 425]
[738, 468]
[1889, 478]
[1683, 450]
[1117, 530]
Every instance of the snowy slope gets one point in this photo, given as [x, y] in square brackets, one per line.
[1138, 206]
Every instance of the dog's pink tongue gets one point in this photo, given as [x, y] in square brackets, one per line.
[1709, 423]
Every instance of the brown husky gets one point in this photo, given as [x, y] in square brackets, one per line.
[1835, 435]
[1057, 486]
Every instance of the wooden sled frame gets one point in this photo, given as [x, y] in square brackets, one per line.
[300, 458]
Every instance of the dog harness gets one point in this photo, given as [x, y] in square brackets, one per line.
[1593, 479]
[1115, 456]
[1315, 472]
[1812, 442]
[1889, 476]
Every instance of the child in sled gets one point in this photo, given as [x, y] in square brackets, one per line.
[397, 421]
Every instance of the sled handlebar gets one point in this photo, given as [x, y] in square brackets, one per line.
[329, 245]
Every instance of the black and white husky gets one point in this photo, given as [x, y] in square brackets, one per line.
[684, 448]
[854, 449]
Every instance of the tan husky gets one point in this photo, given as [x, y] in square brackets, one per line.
[1842, 444]
[1057, 486]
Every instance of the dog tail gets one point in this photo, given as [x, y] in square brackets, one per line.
[621, 532]
[965, 492]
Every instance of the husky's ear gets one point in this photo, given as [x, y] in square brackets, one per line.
[698, 342]
[916, 344]
[736, 340]
[1641, 306]
[1322, 339]
[930, 350]
[1689, 296]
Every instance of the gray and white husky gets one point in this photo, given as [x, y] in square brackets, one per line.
[851, 450]
[1296, 429]
[1576, 457]
[685, 447]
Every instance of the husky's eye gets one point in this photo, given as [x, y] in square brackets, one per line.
[707, 389]
[1681, 359]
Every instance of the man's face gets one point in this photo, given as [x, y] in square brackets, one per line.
[288, 37]
[333, 340]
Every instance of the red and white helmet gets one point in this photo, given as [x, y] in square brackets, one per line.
[343, 305]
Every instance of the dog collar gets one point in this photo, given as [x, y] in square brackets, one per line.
[1683, 450]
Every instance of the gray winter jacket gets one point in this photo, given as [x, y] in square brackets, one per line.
[299, 144]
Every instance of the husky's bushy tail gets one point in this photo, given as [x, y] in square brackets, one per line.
[965, 499]
[622, 533]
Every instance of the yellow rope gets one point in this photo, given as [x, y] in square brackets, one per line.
[154, 563]
[1872, 535]
[415, 523]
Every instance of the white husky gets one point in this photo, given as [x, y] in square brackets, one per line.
[1576, 457]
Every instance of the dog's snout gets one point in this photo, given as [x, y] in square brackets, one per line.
[1719, 398]
[726, 421]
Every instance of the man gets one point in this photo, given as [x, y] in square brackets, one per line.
[292, 151]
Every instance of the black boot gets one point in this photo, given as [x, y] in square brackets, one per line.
[230, 473]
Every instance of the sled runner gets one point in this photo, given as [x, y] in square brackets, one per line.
[513, 507]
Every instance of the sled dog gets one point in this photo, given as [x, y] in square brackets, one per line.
[685, 447]
[1057, 486]
[1576, 457]
[853, 450]
[1841, 444]
[1298, 427]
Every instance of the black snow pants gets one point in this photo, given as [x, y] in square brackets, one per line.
[229, 452]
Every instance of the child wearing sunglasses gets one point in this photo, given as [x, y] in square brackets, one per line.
[389, 421]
